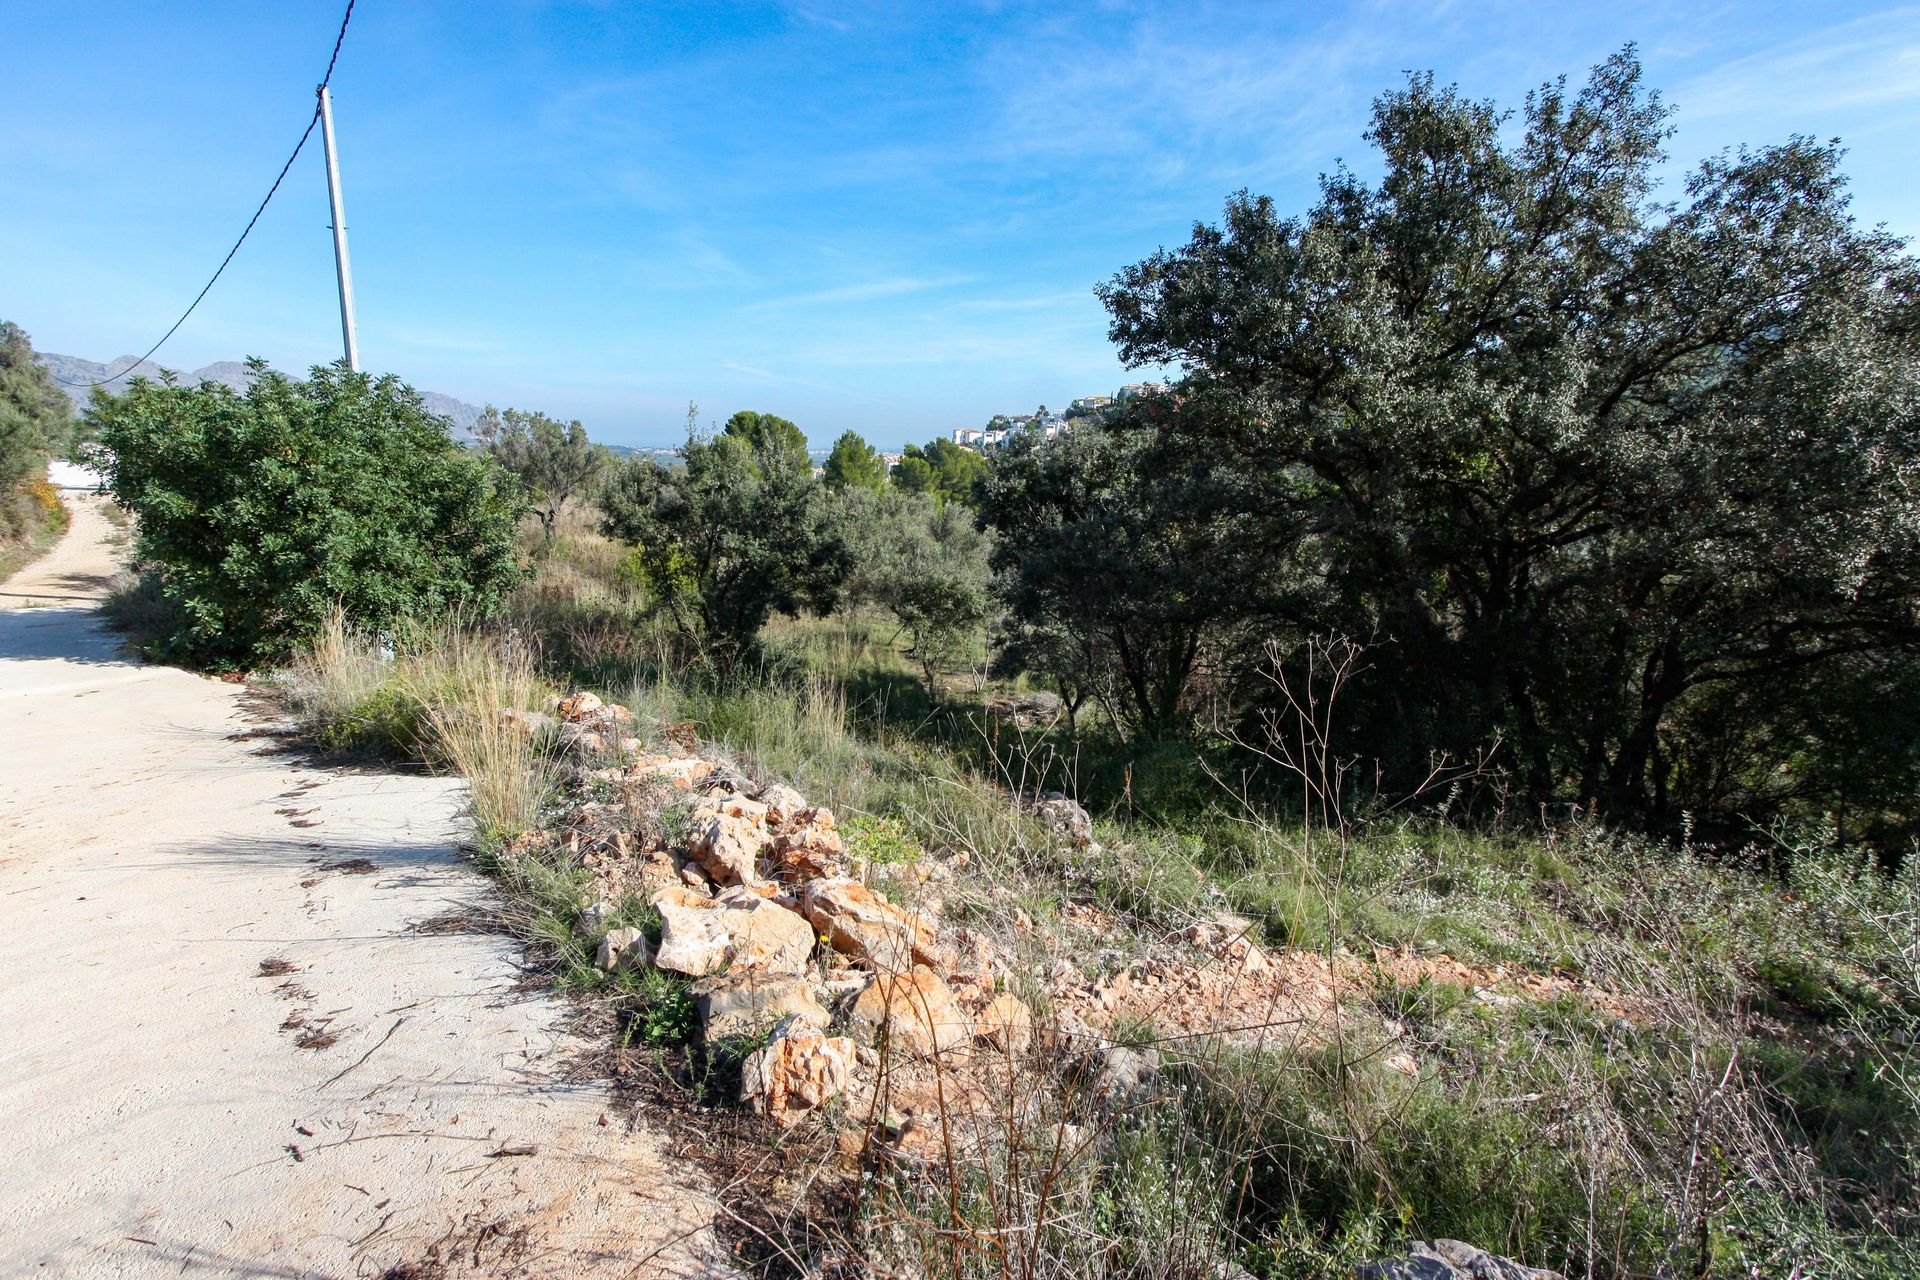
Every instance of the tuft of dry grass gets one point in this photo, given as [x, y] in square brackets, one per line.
[508, 773]
[438, 694]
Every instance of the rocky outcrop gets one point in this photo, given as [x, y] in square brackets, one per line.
[913, 1013]
[749, 1003]
[622, 950]
[859, 922]
[799, 1070]
[727, 847]
[1005, 1023]
[1450, 1260]
[1066, 817]
[808, 847]
[763, 935]
[738, 930]
[693, 933]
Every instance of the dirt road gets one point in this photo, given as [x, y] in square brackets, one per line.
[225, 1046]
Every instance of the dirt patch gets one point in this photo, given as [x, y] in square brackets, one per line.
[277, 967]
[349, 866]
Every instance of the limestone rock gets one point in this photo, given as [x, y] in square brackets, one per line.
[594, 918]
[1066, 817]
[765, 935]
[681, 772]
[530, 724]
[1231, 938]
[912, 1013]
[810, 848]
[745, 1004]
[1124, 1077]
[1450, 1260]
[621, 950]
[582, 739]
[860, 922]
[728, 848]
[783, 804]
[1005, 1023]
[693, 934]
[731, 805]
[798, 1070]
[580, 707]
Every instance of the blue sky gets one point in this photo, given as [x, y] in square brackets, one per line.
[885, 217]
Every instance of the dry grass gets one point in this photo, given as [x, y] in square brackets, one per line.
[436, 694]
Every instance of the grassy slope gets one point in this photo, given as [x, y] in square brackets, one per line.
[1757, 1110]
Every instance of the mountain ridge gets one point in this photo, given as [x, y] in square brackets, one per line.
[232, 373]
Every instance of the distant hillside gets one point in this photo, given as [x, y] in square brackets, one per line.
[227, 372]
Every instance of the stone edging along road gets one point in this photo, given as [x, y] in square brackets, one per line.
[224, 1050]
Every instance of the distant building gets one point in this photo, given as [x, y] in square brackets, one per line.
[968, 437]
[1134, 390]
[892, 460]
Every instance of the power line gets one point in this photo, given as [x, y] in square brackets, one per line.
[312, 120]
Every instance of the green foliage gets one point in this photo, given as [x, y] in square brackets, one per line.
[1609, 483]
[943, 469]
[36, 422]
[1121, 576]
[737, 533]
[770, 440]
[552, 460]
[854, 464]
[32, 518]
[263, 512]
[925, 563]
[880, 841]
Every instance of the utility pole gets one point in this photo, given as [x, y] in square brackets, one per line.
[341, 265]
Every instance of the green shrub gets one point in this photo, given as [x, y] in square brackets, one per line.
[263, 512]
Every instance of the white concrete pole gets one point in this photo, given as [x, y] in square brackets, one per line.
[341, 265]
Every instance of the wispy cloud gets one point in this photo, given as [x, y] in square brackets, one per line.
[863, 292]
[1871, 62]
[1040, 302]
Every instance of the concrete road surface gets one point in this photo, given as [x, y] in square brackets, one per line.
[224, 1048]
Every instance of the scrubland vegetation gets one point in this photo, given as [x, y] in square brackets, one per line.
[35, 425]
[1510, 618]
[1741, 1101]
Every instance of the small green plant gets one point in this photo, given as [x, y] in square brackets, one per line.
[880, 841]
[665, 1015]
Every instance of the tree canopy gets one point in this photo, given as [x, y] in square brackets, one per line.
[1581, 466]
[770, 439]
[854, 464]
[925, 563]
[35, 419]
[729, 538]
[944, 469]
[554, 461]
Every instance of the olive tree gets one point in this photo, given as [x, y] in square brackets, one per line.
[924, 562]
[553, 460]
[727, 538]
